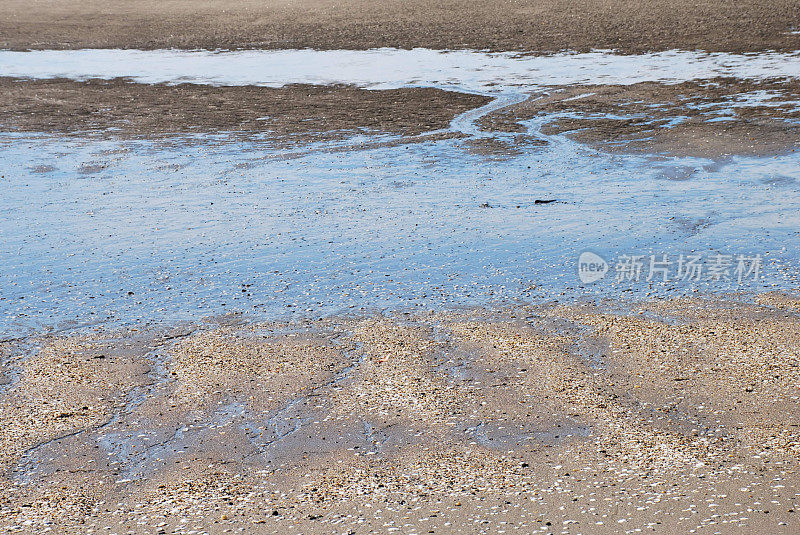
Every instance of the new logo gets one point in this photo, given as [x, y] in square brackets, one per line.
[591, 267]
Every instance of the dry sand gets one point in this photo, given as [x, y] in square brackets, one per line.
[664, 416]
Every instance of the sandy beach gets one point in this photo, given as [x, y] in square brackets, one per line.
[304, 113]
[627, 118]
[551, 26]
[663, 416]
[233, 302]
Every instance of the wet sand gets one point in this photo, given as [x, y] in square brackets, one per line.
[303, 113]
[711, 118]
[658, 415]
[665, 416]
[554, 25]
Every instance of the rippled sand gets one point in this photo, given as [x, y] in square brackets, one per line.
[670, 415]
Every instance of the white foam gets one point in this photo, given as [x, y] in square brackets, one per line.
[388, 68]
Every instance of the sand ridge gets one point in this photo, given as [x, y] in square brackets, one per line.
[657, 413]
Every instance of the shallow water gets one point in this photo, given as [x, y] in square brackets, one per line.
[143, 229]
[389, 68]
[119, 231]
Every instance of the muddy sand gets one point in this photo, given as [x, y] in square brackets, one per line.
[711, 118]
[667, 416]
[300, 112]
[553, 25]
